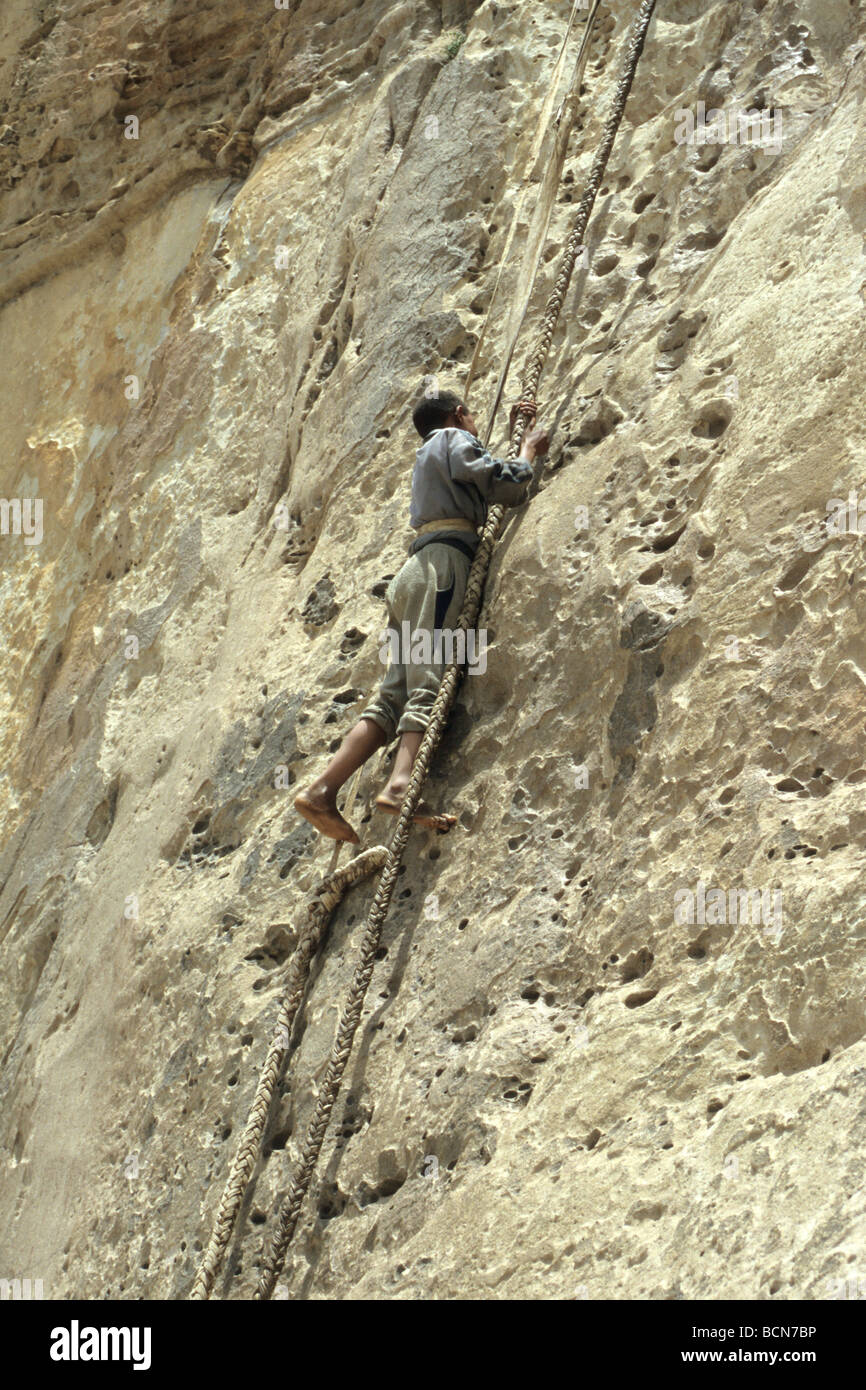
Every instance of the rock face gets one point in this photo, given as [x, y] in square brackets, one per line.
[234, 242]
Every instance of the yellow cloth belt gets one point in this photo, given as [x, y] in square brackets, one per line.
[448, 523]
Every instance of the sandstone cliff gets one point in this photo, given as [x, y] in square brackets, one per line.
[234, 241]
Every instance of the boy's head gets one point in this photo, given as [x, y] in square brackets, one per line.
[441, 412]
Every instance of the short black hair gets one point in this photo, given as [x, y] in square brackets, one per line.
[431, 412]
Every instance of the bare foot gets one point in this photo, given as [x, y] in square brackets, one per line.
[387, 801]
[321, 811]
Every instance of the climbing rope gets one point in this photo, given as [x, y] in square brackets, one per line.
[547, 123]
[327, 895]
[536, 238]
[289, 1210]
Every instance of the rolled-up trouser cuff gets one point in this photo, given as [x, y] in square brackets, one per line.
[412, 724]
[385, 721]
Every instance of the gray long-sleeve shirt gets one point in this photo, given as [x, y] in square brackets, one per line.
[455, 476]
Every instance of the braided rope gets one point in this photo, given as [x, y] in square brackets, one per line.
[287, 1218]
[536, 237]
[547, 122]
[319, 910]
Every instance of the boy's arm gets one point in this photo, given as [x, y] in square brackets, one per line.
[502, 481]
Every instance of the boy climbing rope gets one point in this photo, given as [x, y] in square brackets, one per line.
[453, 482]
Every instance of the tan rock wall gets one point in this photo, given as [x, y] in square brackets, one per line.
[559, 1090]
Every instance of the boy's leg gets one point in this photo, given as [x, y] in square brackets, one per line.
[391, 796]
[377, 725]
[439, 609]
[407, 752]
[318, 804]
